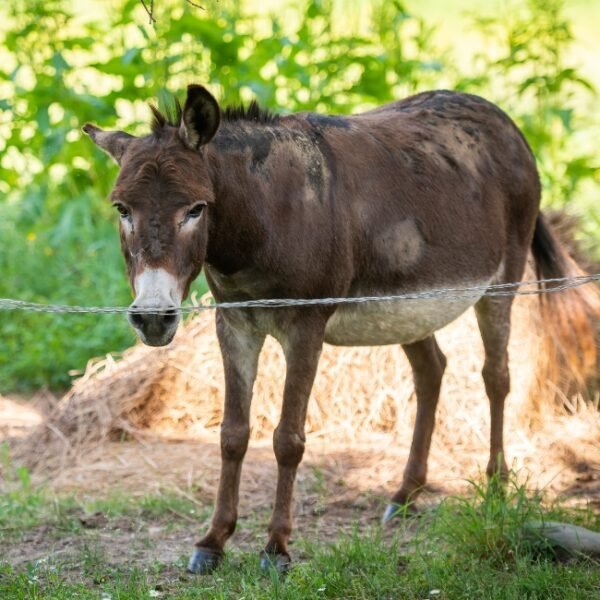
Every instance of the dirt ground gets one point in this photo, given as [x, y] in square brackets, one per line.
[168, 539]
[327, 500]
[339, 486]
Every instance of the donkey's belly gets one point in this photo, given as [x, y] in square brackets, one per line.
[392, 322]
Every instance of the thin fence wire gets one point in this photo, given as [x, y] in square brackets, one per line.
[542, 286]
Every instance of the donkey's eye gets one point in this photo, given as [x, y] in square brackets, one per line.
[195, 211]
[123, 210]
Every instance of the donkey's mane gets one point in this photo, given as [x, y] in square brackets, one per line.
[253, 112]
[171, 115]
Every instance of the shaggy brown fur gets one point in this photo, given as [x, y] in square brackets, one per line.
[437, 190]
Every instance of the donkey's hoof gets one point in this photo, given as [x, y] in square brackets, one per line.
[204, 561]
[280, 562]
[399, 511]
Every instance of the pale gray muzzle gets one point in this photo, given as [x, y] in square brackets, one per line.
[155, 313]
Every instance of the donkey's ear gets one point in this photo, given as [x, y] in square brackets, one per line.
[114, 143]
[200, 118]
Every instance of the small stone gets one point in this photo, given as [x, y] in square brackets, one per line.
[94, 521]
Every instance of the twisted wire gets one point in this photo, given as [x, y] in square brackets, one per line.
[542, 286]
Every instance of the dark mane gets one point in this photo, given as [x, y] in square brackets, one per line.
[171, 114]
[170, 117]
[253, 112]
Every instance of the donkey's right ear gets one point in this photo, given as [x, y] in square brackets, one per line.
[114, 143]
[200, 118]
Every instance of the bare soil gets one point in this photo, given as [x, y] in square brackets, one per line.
[340, 486]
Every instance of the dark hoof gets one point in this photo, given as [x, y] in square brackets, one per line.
[399, 511]
[204, 561]
[280, 562]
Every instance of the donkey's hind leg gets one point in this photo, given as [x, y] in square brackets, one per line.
[493, 317]
[428, 364]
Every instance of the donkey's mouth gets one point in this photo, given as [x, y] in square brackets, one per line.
[156, 341]
[155, 329]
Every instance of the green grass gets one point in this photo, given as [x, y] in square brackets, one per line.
[470, 547]
[355, 566]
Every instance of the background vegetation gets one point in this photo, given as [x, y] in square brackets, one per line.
[61, 67]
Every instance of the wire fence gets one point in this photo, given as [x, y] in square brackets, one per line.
[515, 288]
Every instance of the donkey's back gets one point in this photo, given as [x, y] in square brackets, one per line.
[440, 190]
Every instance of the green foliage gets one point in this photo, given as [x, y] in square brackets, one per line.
[481, 545]
[60, 68]
[76, 261]
[531, 77]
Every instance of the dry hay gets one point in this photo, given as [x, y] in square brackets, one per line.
[359, 420]
[17, 418]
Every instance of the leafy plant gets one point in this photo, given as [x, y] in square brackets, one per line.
[60, 68]
[491, 523]
[529, 73]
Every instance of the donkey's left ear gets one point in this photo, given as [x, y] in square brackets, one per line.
[200, 118]
[114, 143]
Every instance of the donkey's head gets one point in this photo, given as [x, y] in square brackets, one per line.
[163, 193]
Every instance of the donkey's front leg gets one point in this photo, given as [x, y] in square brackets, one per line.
[302, 348]
[240, 350]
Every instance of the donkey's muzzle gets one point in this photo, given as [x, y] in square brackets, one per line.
[154, 328]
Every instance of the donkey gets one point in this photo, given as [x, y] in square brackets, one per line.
[436, 190]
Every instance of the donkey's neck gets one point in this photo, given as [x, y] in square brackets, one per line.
[236, 229]
[272, 206]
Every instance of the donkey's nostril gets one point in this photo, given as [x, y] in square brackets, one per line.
[146, 319]
[136, 318]
[170, 316]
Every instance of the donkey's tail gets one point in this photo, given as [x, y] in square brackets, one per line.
[569, 317]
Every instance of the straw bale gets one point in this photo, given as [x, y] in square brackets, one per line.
[176, 392]
[147, 421]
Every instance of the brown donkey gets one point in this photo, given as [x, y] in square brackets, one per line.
[436, 190]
